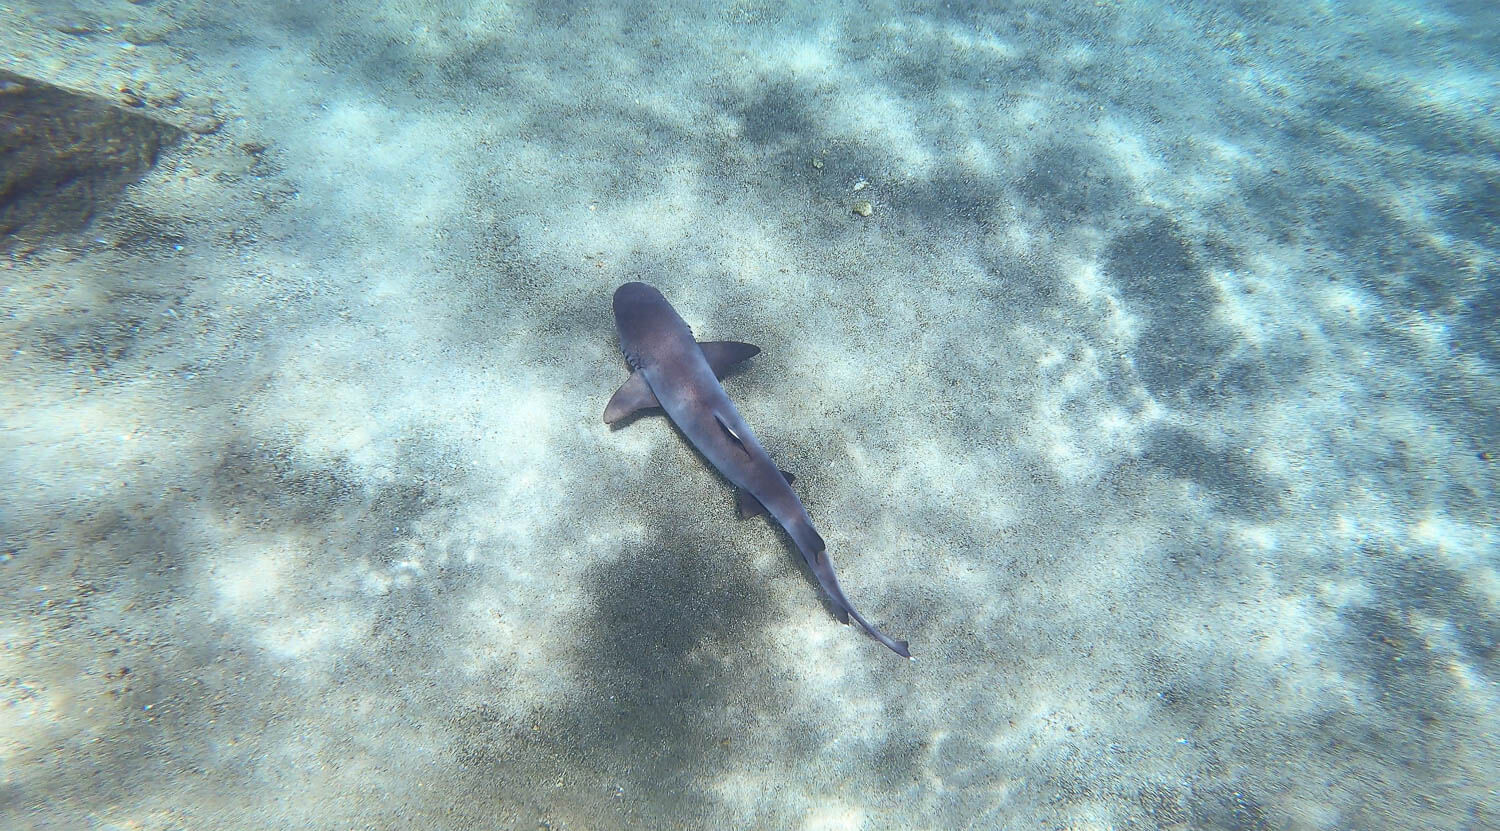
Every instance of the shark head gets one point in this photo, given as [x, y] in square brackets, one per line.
[646, 322]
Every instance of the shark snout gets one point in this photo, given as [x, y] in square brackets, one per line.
[641, 314]
[633, 298]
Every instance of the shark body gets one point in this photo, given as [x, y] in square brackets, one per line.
[673, 371]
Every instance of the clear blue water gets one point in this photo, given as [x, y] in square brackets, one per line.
[1137, 362]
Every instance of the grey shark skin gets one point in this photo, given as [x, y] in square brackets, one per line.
[673, 371]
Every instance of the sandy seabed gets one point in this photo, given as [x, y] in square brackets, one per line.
[1154, 401]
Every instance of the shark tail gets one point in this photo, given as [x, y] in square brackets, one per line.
[898, 647]
[814, 550]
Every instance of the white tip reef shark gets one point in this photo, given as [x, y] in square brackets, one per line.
[673, 371]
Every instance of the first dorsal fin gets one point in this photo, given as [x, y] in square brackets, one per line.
[724, 422]
[723, 354]
[634, 394]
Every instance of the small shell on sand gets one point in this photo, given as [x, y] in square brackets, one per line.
[204, 124]
[863, 208]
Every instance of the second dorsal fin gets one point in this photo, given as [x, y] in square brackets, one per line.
[748, 506]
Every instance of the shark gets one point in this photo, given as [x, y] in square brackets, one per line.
[672, 371]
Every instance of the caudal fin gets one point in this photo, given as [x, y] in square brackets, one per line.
[815, 552]
[898, 647]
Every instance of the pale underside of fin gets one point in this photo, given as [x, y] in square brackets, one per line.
[746, 503]
[724, 423]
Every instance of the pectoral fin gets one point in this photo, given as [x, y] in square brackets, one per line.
[723, 354]
[634, 394]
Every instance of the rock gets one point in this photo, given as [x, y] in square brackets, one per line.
[67, 157]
